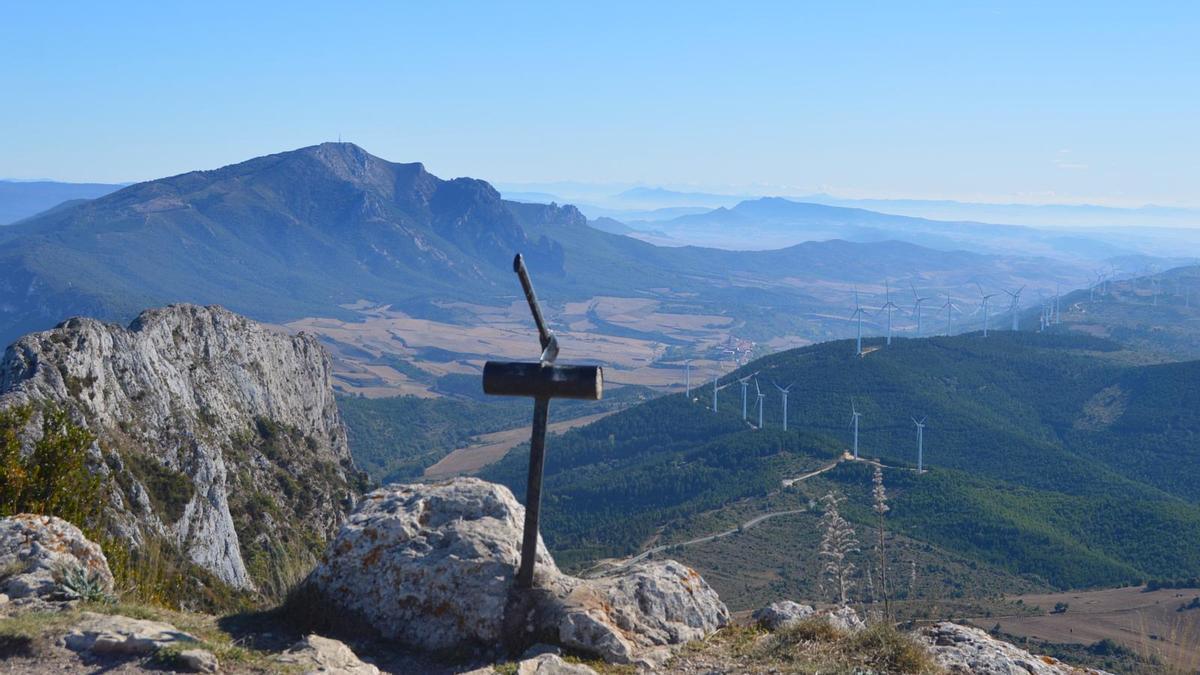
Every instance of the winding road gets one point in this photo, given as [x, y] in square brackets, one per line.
[787, 482]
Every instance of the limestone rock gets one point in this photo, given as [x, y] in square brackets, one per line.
[648, 605]
[844, 619]
[430, 565]
[316, 654]
[198, 661]
[433, 566]
[202, 417]
[782, 614]
[34, 549]
[115, 634]
[551, 664]
[962, 649]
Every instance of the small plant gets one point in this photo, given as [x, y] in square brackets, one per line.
[78, 583]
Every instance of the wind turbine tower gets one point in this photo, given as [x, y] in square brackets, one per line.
[888, 306]
[949, 307]
[687, 377]
[857, 314]
[1014, 306]
[745, 386]
[783, 391]
[917, 306]
[920, 444]
[854, 415]
[761, 396]
[986, 299]
[716, 389]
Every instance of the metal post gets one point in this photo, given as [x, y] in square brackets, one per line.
[533, 492]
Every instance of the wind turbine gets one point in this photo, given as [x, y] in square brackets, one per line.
[783, 391]
[1056, 310]
[761, 396]
[888, 307]
[986, 299]
[1015, 307]
[917, 306]
[854, 415]
[858, 313]
[920, 444]
[950, 307]
[745, 382]
[716, 389]
[687, 377]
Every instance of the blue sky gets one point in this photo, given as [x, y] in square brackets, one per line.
[996, 101]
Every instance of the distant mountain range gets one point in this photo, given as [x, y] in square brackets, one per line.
[310, 231]
[632, 203]
[22, 199]
[773, 222]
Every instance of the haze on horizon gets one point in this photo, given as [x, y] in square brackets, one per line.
[993, 102]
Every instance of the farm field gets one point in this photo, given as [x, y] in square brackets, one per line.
[490, 447]
[389, 353]
[1149, 623]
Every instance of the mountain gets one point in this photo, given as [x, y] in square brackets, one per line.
[219, 439]
[310, 232]
[772, 222]
[22, 199]
[281, 236]
[1053, 457]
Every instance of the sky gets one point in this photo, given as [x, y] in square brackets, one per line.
[981, 101]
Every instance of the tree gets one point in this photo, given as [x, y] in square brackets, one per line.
[879, 495]
[837, 544]
[52, 477]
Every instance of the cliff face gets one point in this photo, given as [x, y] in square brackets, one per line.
[218, 433]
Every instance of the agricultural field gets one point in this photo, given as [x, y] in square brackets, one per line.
[1162, 625]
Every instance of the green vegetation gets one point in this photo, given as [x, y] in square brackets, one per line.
[395, 439]
[1039, 467]
[54, 478]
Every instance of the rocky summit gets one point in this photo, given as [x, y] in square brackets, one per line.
[433, 566]
[216, 434]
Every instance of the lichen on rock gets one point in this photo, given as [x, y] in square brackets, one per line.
[36, 550]
[434, 565]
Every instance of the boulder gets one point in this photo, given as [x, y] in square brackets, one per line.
[36, 550]
[551, 664]
[623, 618]
[434, 566]
[316, 654]
[844, 619]
[430, 565]
[122, 635]
[198, 661]
[782, 614]
[962, 649]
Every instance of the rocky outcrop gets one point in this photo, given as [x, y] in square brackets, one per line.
[961, 649]
[433, 566]
[35, 551]
[782, 614]
[219, 434]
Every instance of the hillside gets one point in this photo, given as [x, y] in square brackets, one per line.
[1031, 468]
[1156, 314]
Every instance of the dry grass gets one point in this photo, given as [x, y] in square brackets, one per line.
[813, 646]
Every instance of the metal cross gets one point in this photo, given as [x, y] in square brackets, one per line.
[542, 381]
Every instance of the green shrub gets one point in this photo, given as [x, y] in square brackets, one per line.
[53, 478]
